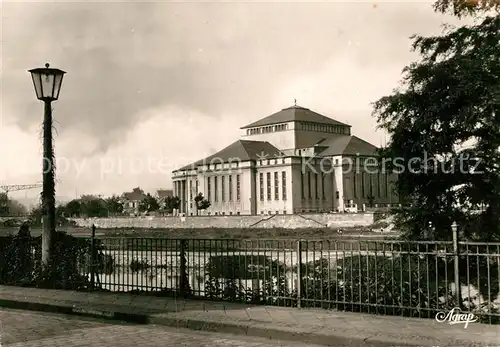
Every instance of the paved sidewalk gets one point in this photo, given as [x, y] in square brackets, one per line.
[329, 328]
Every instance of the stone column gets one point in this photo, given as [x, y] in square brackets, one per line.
[338, 186]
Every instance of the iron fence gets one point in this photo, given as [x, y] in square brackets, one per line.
[417, 279]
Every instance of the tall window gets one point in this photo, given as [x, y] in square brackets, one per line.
[197, 188]
[323, 186]
[268, 186]
[190, 190]
[209, 190]
[230, 183]
[283, 185]
[276, 187]
[223, 188]
[316, 195]
[261, 182]
[216, 191]
[308, 185]
[302, 183]
[238, 193]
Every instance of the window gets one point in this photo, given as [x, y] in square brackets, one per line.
[216, 191]
[323, 186]
[261, 182]
[283, 185]
[354, 185]
[197, 187]
[230, 183]
[276, 187]
[316, 195]
[268, 186]
[209, 190]
[223, 188]
[238, 188]
[308, 185]
[302, 195]
[190, 190]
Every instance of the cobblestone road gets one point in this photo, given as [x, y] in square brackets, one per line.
[30, 329]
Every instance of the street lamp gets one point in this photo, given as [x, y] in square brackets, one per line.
[47, 83]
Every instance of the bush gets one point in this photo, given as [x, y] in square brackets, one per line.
[137, 265]
[401, 285]
[20, 262]
[225, 276]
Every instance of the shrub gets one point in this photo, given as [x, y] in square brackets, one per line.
[225, 276]
[20, 262]
[137, 265]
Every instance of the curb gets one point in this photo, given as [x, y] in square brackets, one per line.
[78, 310]
[285, 334]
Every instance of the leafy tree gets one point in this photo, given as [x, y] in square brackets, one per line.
[16, 208]
[114, 205]
[201, 202]
[4, 204]
[462, 8]
[93, 206]
[73, 208]
[11, 207]
[171, 203]
[149, 204]
[449, 99]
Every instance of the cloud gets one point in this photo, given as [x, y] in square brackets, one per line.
[143, 76]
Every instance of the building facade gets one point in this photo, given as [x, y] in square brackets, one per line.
[131, 201]
[293, 161]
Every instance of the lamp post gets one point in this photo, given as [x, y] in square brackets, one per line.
[47, 83]
[456, 268]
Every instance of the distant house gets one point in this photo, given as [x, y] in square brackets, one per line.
[131, 201]
[161, 194]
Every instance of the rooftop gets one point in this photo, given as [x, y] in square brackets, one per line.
[294, 113]
[241, 150]
[163, 193]
[136, 194]
[347, 145]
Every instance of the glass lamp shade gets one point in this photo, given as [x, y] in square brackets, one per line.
[47, 82]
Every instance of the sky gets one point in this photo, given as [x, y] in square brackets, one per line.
[153, 86]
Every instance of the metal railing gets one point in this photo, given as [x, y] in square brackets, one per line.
[417, 279]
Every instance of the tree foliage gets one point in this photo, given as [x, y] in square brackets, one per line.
[4, 204]
[201, 202]
[149, 204]
[462, 8]
[171, 203]
[444, 120]
[114, 205]
[91, 206]
[73, 208]
[11, 207]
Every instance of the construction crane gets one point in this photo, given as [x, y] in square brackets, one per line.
[17, 187]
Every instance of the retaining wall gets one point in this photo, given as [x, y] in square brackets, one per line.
[334, 220]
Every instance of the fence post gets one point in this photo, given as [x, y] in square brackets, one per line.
[92, 258]
[299, 272]
[456, 253]
[183, 269]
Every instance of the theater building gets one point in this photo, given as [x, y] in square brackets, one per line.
[293, 161]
